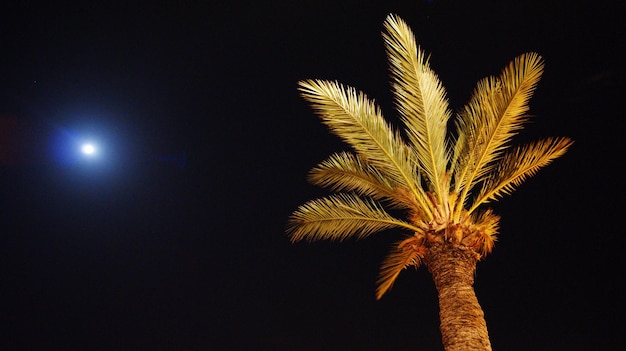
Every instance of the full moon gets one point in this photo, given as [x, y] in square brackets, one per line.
[88, 149]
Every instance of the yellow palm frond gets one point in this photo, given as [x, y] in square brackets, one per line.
[348, 172]
[408, 252]
[341, 216]
[519, 164]
[359, 122]
[420, 100]
[495, 113]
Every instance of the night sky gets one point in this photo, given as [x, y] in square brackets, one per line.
[173, 237]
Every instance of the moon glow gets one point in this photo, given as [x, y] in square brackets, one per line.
[88, 149]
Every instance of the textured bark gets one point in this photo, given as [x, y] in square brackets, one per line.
[462, 319]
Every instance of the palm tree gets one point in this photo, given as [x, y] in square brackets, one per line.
[437, 181]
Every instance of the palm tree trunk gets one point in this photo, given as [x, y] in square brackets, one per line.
[463, 324]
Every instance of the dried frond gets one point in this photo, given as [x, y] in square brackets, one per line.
[408, 252]
[358, 121]
[421, 101]
[495, 113]
[519, 164]
[483, 232]
[341, 216]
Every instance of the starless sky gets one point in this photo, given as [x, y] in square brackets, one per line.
[174, 239]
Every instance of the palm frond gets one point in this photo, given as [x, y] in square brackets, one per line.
[519, 164]
[359, 122]
[420, 99]
[341, 216]
[484, 229]
[348, 172]
[408, 252]
[495, 113]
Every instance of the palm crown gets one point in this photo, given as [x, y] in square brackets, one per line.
[437, 179]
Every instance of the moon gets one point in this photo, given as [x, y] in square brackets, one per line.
[88, 149]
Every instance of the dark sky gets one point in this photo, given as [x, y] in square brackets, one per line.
[174, 239]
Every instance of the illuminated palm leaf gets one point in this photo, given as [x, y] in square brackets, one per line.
[348, 172]
[404, 254]
[359, 122]
[420, 100]
[339, 217]
[519, 164]
[495, 113]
